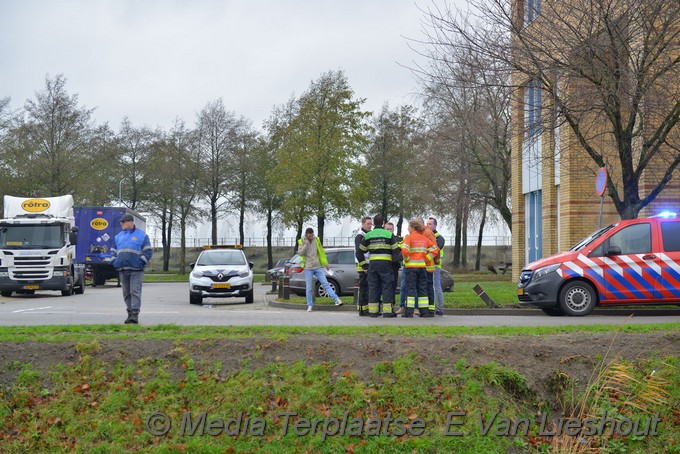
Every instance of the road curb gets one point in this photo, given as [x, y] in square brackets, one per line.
[271, 301]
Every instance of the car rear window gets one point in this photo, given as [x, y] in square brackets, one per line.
[670, 235]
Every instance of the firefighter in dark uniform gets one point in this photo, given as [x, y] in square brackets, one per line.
[362, 303]
[389, 226]
[384, 250]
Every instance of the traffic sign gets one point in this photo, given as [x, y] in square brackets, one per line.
[601, 181]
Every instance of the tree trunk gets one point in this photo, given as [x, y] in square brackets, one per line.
[213, 222]
[478, 259]
[321, 222]
[270, 258]
[183, 246]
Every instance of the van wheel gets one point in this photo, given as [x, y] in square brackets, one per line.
[552, 311]
[577, 298]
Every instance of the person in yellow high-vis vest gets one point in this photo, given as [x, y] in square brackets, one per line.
[313, 260]
[437, 276]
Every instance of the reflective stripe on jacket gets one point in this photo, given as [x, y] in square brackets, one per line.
[131, 251]
[381, 244]
[417, 250]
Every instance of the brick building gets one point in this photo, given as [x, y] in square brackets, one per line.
[554, 197]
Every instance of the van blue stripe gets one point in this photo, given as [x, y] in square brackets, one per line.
[627, 285]
[646, 283]
[614, 291]
[666, 284]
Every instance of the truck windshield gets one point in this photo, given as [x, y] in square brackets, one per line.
[592, 237]
[32, 236]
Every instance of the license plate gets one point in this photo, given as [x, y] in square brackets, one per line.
[520, 291]
[221, 285]
[31, 287]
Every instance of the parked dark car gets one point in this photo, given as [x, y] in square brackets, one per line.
[344, 272]
[277, 271]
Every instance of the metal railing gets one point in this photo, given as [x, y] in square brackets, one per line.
[327, 242]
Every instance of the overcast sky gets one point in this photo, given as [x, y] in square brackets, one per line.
[156, 60]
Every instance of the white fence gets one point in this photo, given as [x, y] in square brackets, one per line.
[327, 242]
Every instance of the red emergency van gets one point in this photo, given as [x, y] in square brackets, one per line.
[631, 262]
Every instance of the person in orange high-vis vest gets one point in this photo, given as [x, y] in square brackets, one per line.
[418, 251]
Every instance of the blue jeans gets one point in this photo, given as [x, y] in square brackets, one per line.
[309, 284]
[438, 292]
[132, 289]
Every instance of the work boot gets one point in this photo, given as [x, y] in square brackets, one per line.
[133, 318]
[389, 315]
[363, 313]
[408, 313]
[400, 311]
[373, 315]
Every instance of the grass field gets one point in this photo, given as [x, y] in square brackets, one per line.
[187, 392]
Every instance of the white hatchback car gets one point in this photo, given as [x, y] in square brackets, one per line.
[221, 273]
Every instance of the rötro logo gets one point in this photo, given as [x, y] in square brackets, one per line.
[35, 205]
[99, 223]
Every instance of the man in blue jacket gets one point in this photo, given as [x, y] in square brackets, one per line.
[131, 253]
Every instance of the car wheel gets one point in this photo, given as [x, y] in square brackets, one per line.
[322, 293]
[577, 298]
[249, 297]
[552, 311]
[195, 299]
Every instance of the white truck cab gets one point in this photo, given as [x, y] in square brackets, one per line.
[37, 246]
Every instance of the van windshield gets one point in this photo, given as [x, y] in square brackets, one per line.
[592, 237]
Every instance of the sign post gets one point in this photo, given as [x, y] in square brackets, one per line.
[601, 187]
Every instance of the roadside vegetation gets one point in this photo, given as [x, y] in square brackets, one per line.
[96, 401]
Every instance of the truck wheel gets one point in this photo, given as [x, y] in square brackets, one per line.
[577, 298]
[6, 293]
[195, 299]
[249, 297]
[69, 290]
[80, 289]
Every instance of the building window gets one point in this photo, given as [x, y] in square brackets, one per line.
[531, 145]
[531, 11]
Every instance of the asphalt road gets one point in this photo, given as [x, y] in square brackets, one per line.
[168, 303]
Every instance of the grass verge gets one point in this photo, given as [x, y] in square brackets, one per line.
[185, 400]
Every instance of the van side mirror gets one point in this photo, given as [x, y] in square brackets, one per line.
[612, 250]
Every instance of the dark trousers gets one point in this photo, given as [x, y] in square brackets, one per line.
[363, 291]
[416, 288]
[380, 285]
[430, 291]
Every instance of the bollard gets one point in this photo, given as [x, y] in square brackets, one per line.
[286, 288]
[275, 279]
[483, 295]
[355, 301]
[281, 288]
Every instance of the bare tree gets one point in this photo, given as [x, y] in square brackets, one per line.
[134, 153]
[53, 146]
[394, 158]
[216, 139]
[609, 67]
